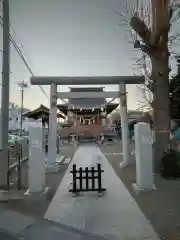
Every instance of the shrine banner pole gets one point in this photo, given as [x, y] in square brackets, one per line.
[99, 125]
[77, 137]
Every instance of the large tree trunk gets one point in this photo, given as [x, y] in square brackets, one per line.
[155, 41]
[161, 108]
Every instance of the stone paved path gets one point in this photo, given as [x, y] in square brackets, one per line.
[114, 215]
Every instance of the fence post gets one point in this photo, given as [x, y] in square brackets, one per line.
[93, 180]
[21, 150]
[80, 178]
[86, 176]
[8, 173]
[74, 177]
[99, 178]
[57, 146]
[19, 171]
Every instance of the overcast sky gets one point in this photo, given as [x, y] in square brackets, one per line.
[69, 37]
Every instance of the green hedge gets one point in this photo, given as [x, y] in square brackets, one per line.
[171, 164]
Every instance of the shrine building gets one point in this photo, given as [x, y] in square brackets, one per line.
[86, 111]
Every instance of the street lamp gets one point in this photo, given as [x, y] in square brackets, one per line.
[22, 85]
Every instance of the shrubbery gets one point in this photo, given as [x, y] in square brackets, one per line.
[171, 164]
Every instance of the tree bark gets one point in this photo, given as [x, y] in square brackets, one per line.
[160, 70]
[161, 109]
[155, 41]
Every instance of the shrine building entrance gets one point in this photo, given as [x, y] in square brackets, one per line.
[86, 117]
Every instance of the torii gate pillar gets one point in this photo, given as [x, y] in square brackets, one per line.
[124, 125]
[52, 141]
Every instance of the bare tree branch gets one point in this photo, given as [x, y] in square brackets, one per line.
[143, 41]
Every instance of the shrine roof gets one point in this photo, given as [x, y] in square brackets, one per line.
[42, 112]
[87, 102]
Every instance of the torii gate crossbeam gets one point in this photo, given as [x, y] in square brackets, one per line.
[90, 80]
[121, 81]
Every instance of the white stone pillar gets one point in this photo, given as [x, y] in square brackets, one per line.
[36, 162]
[124, 126]
[51, 159]
[144, 159]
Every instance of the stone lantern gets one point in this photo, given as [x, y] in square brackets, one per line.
[103, 118]
[70, 116]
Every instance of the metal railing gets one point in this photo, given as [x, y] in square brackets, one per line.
[18, 155]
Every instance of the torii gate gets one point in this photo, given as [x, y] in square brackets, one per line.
[121, 81]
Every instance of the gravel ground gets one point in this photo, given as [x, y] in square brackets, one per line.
[161, 207]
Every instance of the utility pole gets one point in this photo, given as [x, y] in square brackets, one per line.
[22, 85]
[4, 123]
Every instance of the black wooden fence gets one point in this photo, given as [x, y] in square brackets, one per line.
[87, 179]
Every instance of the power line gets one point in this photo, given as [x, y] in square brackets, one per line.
[17, 38]
[18, 50]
